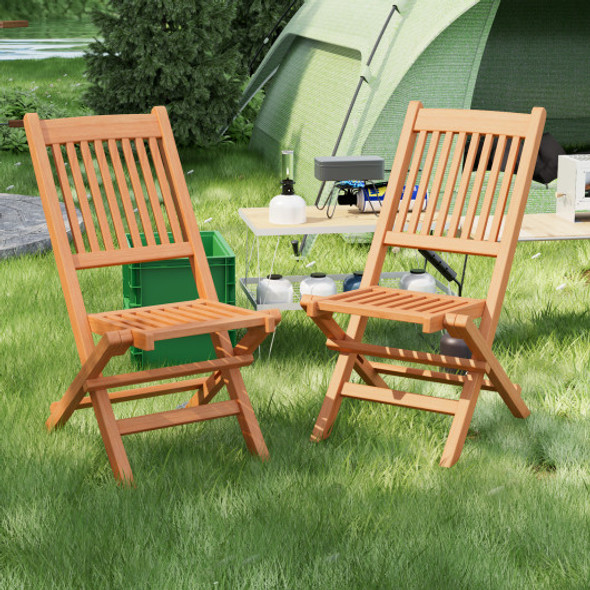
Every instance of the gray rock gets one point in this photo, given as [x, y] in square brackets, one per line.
[23, 229]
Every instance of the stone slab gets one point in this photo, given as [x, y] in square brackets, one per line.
[23, 229]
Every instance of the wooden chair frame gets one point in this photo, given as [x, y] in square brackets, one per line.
[463, 214]
[127, 177]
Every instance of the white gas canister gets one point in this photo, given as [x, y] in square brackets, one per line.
[318, 284]
[418, 280]
[274, 289]
[287, 210]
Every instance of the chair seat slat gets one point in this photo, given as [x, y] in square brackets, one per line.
[428, 309]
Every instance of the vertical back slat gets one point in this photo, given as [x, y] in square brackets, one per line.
[404, 205]
[82, 199]
[138, 193]
[103, 222]
[169, 203]
[151, 191]
[437, 184]
[423, 183]
[504, 189]
[175, 197]
[190, 227]
[124, 192]
[491, 189]
[443, 211]
[477, 186]
[463, 186]
[64, 183]
[109, 190]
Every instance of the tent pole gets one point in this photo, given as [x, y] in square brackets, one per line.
[352, 102]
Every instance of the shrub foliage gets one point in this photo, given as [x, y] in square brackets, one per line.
[177, 53]
[190, 55]
[14, 104]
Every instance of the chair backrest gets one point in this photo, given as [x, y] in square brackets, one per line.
[459, 206]
[123, 173]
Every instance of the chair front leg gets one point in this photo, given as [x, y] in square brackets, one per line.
[328, 325]
[333, 398]
[343, 370]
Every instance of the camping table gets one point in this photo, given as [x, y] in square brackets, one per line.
[535, 227]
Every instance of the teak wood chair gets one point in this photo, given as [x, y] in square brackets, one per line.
[125, 173]
[468, 212]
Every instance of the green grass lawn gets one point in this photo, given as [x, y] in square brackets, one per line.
[369, 508]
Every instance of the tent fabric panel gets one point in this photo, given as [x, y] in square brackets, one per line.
[304, 108]
[443, 76]
[332, 22]
[539, 54]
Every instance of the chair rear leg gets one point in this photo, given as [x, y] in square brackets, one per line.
[333, 398]
[461, 421]
[111, 436]
[246, 418]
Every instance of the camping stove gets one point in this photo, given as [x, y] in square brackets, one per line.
[573, 186]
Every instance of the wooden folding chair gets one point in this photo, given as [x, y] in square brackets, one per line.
[127, 179]
[468, 212]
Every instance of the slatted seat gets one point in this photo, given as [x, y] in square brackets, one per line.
[174, 320]
[428, 309]
[124, 175]
[459, 208]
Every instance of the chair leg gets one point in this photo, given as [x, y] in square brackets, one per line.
[461, 421]
[333, 398]
[246, 418]
[247, 345]
[463, 327]
[333, 331]
[233, 380]
[111, 436]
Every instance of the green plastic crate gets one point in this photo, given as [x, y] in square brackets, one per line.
[169, 281]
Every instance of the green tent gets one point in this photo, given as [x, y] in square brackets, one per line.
[506, 55]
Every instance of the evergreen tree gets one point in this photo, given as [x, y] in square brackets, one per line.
[176, 53]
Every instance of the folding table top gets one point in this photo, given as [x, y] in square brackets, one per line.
[535, 227]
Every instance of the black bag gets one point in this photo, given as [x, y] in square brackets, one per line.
[545, 167]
